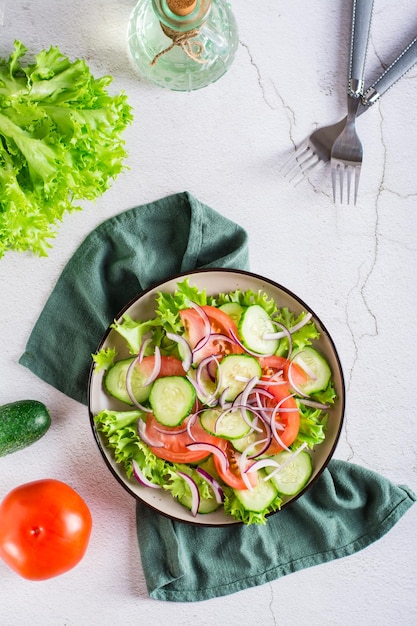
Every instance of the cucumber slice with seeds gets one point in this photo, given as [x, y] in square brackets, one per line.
[233, 310]
[234, 367]
[115, 381]
[316, 367]
[228, 425]
[259, 497]
[255, 323]
[295, 475]
[172, 399]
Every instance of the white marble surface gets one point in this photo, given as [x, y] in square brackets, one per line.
[355, 266]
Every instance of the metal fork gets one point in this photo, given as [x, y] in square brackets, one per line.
[315, 151]
[347, 152]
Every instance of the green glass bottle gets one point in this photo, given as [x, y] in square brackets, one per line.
[182, 44]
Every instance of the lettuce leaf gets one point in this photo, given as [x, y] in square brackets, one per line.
[120, 430]
[60, 134]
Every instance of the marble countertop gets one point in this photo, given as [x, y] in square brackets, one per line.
[354, 265]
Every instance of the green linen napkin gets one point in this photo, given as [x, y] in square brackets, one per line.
[348, 508]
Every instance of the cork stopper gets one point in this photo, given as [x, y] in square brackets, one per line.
[182, 7]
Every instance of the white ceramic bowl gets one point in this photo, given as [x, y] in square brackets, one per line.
[214, 282]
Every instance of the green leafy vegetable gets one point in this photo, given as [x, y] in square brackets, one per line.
[60, 142]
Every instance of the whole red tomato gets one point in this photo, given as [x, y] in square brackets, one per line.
[45, 528]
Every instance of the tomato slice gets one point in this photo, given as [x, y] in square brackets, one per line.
[273, 364]
[174, 441]
[290, 419]
[170, 366]
[221, 324]
[231, 475]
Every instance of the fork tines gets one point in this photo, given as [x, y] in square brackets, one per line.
[304, 161]
[338, 173]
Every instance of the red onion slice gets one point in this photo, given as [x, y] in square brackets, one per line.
[292, 329]
[141, 478]
[212, 449]
[195, 494]
[262, 463]
[217, 490]
[143, 435]
[290, 458]
[129, 389]
[186, 348]
[314, 404]
[293, 385]
[284, 333]
[156, 368]
[145, 343]
[251, 352]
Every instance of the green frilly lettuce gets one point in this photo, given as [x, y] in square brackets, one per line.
[60, 143]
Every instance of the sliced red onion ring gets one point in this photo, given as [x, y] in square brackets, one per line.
[293, 385]
[264, 443]
[145, 343]
[207, 326]
[213, 337]
[195, 494]
[222, 401]
[212, 449]
[290, 458]
[212, 399]
[284, 333]
[143, 435]
[190, 423]
[257, 354]
[301, 363]
[314, 404]
[261, 464]
[171, 433]
[141, 478]
[186, 349]
[217, 490]
[156, 368]
[292, 329]
[129, 389]
[242, 468]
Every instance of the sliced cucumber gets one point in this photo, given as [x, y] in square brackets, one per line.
[241, 444]
[255, 323]
[294, 475]
[316, 367]
[233, 368]
[259, 497]
[207, 505]
[172, 399]
[115, 381]
[228, 425]
[233, 310]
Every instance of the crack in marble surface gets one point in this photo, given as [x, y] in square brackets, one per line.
[271, 602]
[258, 73]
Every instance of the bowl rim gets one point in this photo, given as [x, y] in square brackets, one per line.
[323, 329]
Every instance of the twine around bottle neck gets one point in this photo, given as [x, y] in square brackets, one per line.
[193, 49]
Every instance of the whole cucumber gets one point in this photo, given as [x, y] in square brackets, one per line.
[22, 423]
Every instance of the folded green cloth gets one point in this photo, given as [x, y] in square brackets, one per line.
[348, 508]
[123, 256]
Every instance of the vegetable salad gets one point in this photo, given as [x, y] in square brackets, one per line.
[225, 395]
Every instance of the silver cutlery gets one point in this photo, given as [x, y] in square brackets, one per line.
[315, 151]
[347, 152]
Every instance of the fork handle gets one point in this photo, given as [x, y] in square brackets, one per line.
[361, 24]
[402, 64]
